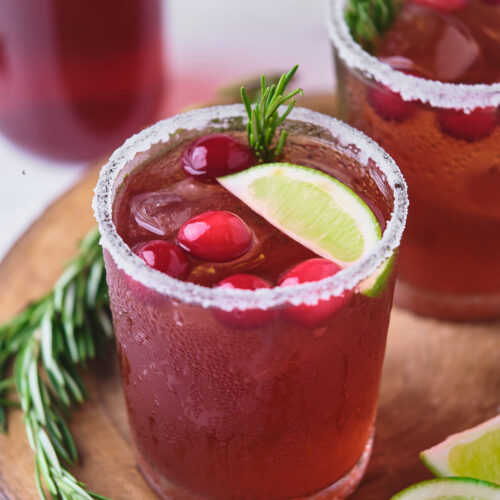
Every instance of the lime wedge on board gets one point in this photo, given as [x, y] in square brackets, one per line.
[471, 453]
[310, 207]
[450, 488]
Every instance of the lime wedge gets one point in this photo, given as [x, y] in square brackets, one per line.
[375, 284]
[450, 488]
[471, 453]
[310, 207]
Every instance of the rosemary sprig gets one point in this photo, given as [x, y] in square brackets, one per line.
[369, 19]
[231, 92]
[46, 344]
[264, 119]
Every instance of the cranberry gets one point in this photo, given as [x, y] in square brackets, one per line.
[305, 272]
[443, 5]
[216, 155]
[251, 318]
[492, 2]
[216, 236]
[470, 127]
[165, 257]
[390, 105]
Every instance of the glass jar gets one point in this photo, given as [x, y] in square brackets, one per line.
[78, 77]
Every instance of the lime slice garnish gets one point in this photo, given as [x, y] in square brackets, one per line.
[472, 453]
[450, 488]
[375, 284]
[310, 207]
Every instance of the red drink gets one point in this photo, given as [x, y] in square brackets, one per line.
[236, 394]
[462, 46]
[449, 264]
[78, 77]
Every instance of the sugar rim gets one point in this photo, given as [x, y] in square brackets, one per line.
[229, 299]
[458, 96]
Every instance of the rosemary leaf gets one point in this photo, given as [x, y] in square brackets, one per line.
[6, 383]
[264, 118]
[370, 19]
[10, 402]
[45, 345]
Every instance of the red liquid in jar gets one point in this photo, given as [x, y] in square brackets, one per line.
[78, 77]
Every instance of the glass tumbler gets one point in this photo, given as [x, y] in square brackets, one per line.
[277, 411]
[449, 264]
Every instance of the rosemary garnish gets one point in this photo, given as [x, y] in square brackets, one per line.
[369, 19]
[264, 119]
[46, 344]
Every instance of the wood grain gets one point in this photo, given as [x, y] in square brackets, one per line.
[438, 378]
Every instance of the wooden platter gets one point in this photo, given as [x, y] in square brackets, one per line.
[439, 378]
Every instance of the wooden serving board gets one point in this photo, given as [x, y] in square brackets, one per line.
[439, 378]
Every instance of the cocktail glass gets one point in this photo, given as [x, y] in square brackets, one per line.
[281, 410]
[449, 264]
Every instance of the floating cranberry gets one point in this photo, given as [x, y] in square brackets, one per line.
[215, 155]
[443, 5]
[217, 236]
[165, 257]
[305, 272]
[470, 127]
[390, 105]
[251, 318]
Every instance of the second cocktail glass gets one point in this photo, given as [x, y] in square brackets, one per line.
[449, 265]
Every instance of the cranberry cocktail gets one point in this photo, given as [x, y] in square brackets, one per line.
[250, 363]
[428, 91]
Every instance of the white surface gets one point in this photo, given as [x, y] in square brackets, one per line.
[27, 186]
[224, 39]
[209, 43]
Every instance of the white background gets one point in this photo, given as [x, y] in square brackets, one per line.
[209, 43]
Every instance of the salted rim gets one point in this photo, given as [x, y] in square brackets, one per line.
[230, 299]
[438, 94]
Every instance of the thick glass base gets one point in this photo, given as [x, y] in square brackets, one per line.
[453, 307]
[346, 485]
[339, 490]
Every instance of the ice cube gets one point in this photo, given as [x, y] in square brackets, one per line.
[161, 212]
[205, 196]
[456, 51]
[192, 190]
